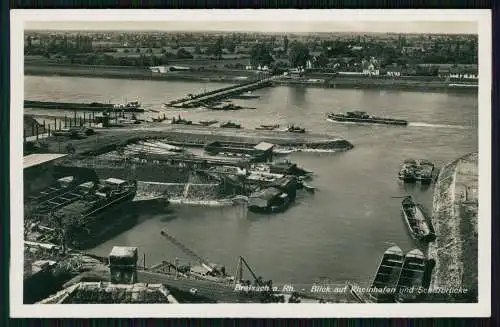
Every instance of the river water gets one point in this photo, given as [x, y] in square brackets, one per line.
[340, 232]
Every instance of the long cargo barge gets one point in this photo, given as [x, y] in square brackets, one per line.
[93, 106]
[363, 117]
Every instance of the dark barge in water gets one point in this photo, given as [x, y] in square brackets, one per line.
[133, 106]
[418, 224]
[86, 219]
[420, 170]
[363, 117]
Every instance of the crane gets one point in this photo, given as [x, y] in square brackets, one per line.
[212, 270]
[239, 274]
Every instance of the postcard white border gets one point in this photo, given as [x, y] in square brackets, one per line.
[480, 309]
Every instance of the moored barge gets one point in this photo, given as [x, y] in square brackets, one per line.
[410, 285]
[419, 226]
[85, 218]
[388, 272]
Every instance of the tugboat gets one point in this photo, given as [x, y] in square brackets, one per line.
[295, 129]
[181, 121]
[363, 117]
[230, 125]
[411, 279]
[418, 225]
[387, 276]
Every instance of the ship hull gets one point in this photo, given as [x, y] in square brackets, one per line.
[414, 224]
[105, 219]
[367, 120]
[387, 275]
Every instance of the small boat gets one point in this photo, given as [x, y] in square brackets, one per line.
[410, 285]
[387, 276]
[363, 117]
[267, 127]
[230, 125]
[419, 226]
[207, 122]
[295, 129]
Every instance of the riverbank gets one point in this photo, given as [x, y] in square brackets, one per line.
[455, 221]
[323, 80]
[144, 73]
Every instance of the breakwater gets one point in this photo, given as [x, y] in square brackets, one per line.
[455, 221]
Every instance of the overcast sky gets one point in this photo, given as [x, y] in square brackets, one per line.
[277, 21]
[463, 27]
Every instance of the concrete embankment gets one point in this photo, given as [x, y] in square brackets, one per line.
[455, 220]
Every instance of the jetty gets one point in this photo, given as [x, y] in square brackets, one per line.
[208, 97]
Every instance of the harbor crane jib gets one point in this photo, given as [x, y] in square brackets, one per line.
[212, 269]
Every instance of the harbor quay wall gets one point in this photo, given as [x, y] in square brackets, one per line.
[147, 190]
[455, 220]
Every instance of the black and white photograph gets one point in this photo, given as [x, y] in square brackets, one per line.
[287, 163]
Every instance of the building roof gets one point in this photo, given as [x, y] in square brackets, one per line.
[123, 251]
[264, 146]
[99, 292]
[40, 158]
